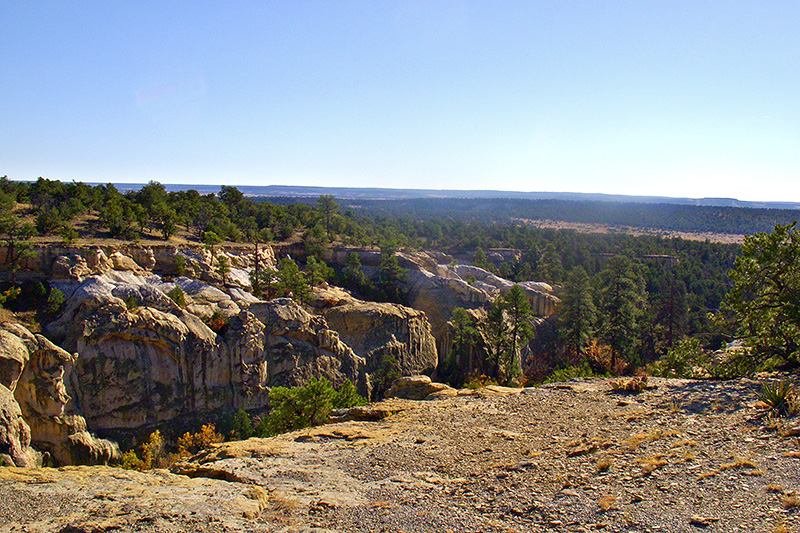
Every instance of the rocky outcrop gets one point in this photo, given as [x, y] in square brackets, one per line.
[155, 364]
[76, 263]
[374, 329]
[15, 435]
[438, 288]
[301, 346]
[40, 394]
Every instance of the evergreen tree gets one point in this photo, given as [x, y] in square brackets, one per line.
[464, 336]
[327, 207]
[764, 303]
[621, 300]
[578, 314]
[518, 312]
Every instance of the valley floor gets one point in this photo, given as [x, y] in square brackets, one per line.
[576, 456]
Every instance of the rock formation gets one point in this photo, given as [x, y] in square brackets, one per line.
[153, 363]
[373, 329]
[438, 288]
[34, 371]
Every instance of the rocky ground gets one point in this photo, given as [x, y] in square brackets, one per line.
[577, 456]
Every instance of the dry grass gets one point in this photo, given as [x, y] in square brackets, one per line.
[635, 384]
[675, 406]
[607, 502]
[604, 464]
[774, 488]
[790, 501]
[704, 475]
[684, 443]
[740, 462]
[781, 527]
[651, 464]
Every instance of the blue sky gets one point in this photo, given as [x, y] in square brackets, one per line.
[676, 98]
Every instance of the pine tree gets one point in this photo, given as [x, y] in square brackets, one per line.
[621, 298]
[578, 313]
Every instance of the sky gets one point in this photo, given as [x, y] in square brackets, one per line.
[669, 98]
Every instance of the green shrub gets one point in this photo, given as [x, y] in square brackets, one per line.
[131, 303]
[778, 396]
[178, 296]
[242, 426]
[309, 405]
[131, 461]
[55, 299]
[570, 372]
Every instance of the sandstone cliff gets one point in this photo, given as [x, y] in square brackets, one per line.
[34, 372]
[438, 288]
[373, 329]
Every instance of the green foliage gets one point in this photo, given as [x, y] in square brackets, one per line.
[309, 405]
[286, 281]
[681, 361]
[131, 461]
[384, 376]
[180, 265]
[152, 454]
[216, 321]
[353, 277]
[570, 372]
[390, 279]
[621, 303]
[327, 206]
[67, 234]
[780, 396]
[14, 236]
[223, 267]
[578, 314]
[242, 426]
[131, 302]
[461, 361]
[178, 296]
[9, 295]
[55, 300]
[317, 271]
[480, 260]
[764, 304]
[347, 396]
[520, 331]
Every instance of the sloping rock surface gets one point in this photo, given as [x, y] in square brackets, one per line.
[684, 456]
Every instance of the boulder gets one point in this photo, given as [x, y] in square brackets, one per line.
[72, 266]
[123, 262]
[13, 357]
[418, 388]
[98, 261]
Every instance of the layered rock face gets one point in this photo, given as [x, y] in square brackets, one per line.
[145, 365]
[438, 288]
[34, 372]
[374, 329]
[77, 263]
